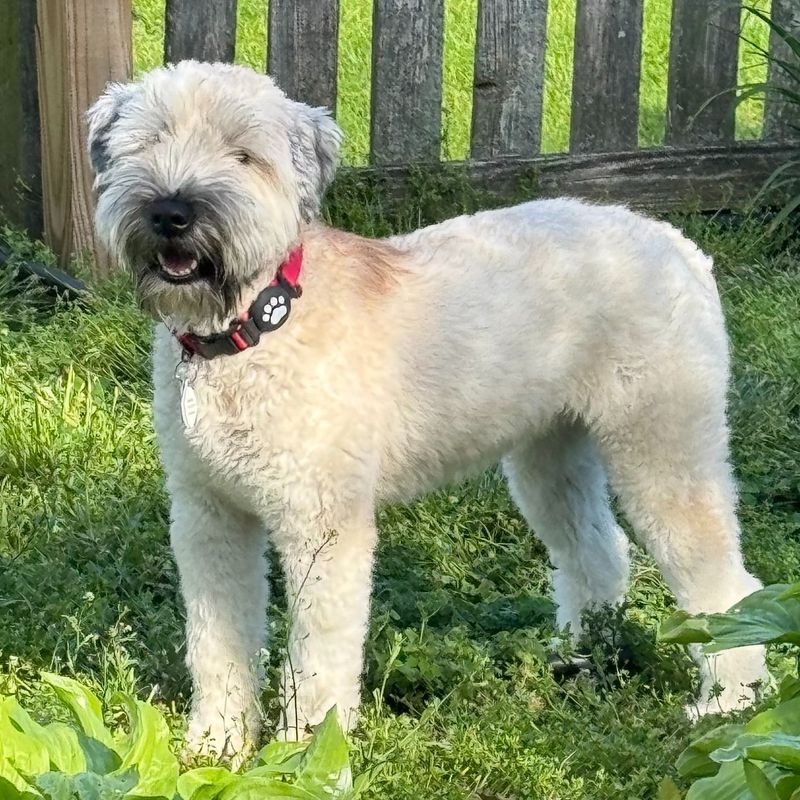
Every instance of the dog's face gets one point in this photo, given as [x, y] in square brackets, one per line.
[204, 175]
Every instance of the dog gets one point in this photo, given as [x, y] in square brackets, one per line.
[306, 375]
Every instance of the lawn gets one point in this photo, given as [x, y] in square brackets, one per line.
[460, 702]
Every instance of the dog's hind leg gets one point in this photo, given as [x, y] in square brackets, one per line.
[667, 460]
[559, 484]
[223, 573]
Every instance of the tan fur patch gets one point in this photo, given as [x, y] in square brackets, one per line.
[377, 264]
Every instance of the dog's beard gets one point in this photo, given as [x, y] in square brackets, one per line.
[206, 298]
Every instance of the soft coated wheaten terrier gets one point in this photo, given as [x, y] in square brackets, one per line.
[579, 345]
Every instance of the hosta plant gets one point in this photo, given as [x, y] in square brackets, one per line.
[86, 760]
[759, 760]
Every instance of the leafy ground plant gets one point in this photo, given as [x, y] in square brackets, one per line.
[759, 760]
[86, 760]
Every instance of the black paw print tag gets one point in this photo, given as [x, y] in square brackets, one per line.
[274, 306]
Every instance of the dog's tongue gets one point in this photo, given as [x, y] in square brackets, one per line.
[176, 264]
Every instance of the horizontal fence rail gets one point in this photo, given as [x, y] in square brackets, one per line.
[55, 58]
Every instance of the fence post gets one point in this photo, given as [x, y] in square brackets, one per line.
[81, 45]
[605, 85]
[703, 59]
[20, 153]
[509, 76]
[782, 119]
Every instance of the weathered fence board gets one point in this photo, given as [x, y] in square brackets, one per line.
[201, 29]
[703, 60]
[782, 119]
[80, 46]
[605, 86]
[509, 76]
[698, 178]
[407, 46]
[302, 53]
[20, 152]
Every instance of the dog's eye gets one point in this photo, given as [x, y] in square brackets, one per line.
[243, 157]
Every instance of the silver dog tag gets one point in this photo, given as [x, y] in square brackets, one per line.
[188, 405]
[185, 373]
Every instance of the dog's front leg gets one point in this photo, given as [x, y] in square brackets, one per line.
[327, 560]
[220, 557]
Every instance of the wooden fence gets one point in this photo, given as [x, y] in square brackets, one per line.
[55, 56]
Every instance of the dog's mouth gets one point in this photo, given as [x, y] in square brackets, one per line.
[174, 265]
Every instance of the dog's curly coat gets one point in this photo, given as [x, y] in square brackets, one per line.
[575, 343]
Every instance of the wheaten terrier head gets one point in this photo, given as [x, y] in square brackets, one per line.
[205, 173]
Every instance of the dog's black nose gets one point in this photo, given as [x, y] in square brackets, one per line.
[170, 217]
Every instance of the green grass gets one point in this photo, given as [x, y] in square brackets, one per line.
[460, 23]
[460, 703]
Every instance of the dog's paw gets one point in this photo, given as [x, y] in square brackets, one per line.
[217, 742]
[275, 310]
[730, 681]
[723, 703]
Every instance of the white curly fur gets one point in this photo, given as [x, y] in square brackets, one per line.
[577, 344]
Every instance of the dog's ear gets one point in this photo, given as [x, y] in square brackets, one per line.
[315, 143]
[101, 118]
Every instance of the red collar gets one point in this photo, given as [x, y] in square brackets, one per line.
[267, 313]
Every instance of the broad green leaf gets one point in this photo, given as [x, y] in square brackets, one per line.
[190, 783]
[694, 761]
[146, 749]
[769, 615]
[761, 618]
[100, 758]
[247, 788]
[682, 628]
[210, 791]
[787, 785]
[64, 748]
[758, 783]
[784, 718]
[59, 740]
[728, 784]
[792, 591]
[325, 767]
[280, 757]
[107, 787]
[24, 753]
[83, 705]
[288, 768]
[789, 688]
[12, 784]
[56, 785]
[779, 748]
